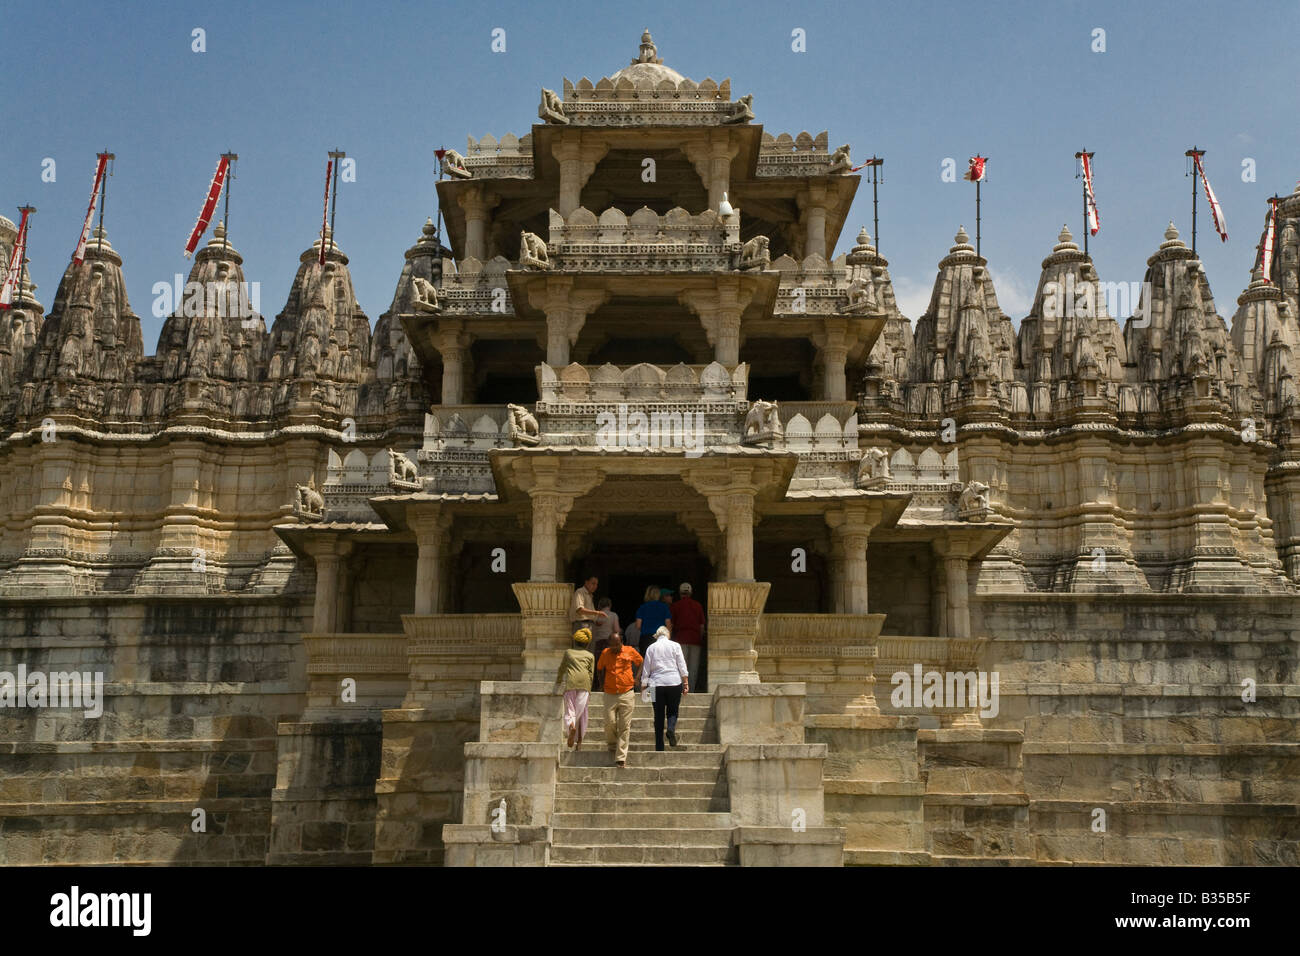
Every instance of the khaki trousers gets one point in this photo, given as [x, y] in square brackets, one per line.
[618, 722]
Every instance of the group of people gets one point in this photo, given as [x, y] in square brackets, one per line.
[669, 633]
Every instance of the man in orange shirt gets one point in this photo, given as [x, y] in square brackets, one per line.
[619, 670]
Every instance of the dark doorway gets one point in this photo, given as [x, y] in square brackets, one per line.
[629, 554]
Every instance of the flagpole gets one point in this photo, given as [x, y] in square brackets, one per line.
[230, 174]
[977, 214]
[103, 189]
[875, 163]
[1194, 154]
[1082, 156]
[335, 155]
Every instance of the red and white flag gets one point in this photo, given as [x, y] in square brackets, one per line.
[325, 216]
[976, 172]
[1094, 217]
[1216, 211]
[15, 264]
[205, 214]
[1270, 238]
[79, 254]
[873, 161]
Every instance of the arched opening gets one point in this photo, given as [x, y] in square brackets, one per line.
[619, 333]
[659, 179]
[785, 367]
[504, 371]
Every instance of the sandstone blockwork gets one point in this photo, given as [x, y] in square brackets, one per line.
[325, 570]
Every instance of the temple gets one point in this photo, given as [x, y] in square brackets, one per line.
[325, 569]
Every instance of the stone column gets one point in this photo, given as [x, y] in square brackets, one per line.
[958, 597]
[327, 553]
[815, 221]
[739, 509]
[453, 346]
[557, 338]
[476, 203]
[343, 609]
[834, 386]
[569, 156]
[720, 154]
[835, 564]
[549, 511]
[851, 527]
[430, 527]
[726, 346]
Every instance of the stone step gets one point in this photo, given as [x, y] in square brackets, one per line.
[694, 724]
[645, 837]
[710, 757]
[646, 743]
[626, 818]
[605, 855]
[606, 775]
[625, 789]
[709, 803]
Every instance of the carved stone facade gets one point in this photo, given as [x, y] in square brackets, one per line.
[663, 379]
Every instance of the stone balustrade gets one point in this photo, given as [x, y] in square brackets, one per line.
[625, 102]
[833, 655]
[509, 158]
[474, 287]
[643, 241]
[700, 384]
[376, 662]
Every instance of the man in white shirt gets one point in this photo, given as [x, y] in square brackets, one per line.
[665, 670]
[582, 610]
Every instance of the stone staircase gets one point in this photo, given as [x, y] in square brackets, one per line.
[667, 809]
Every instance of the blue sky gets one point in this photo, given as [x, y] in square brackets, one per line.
[283, 83]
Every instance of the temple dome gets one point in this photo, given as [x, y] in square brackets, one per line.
[648, 68]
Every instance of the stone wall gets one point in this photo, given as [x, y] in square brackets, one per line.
[193, 693]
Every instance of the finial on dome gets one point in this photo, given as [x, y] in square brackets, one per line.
[648, 52]
[220, 231]
[1065, 235]
[429, 228]
[962, 238]
[99, 232]
[1172, 232]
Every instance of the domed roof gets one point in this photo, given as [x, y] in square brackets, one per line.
[648, 67]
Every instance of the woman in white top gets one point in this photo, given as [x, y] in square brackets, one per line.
[665, 670]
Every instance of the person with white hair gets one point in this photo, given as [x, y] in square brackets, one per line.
[665, 671]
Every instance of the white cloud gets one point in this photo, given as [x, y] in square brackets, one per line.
[913, 297]
[1014, 294]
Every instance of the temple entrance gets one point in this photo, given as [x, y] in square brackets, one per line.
[630, 553]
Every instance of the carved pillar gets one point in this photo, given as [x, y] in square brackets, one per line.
[958, 597]
[734, 509]
[327, 553]
[557, 338]
[851, 526]
[815, 221]
[726, 347]
[430, 527]
[343, 606]
[835, 562]
[453, 345]
[476, 202]
[720, 154]
[577, 162]
[549, 511]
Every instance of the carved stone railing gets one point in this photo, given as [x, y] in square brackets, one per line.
[471, 287]
[941, 654]
[833, 654]
[623, 102]
[449, 654]
[376, 662]
[643, 242]
[735, 610]
[801, 155]
[457, 440]
[812, 287]
[818, 426]
[544, 617]
[511, 158]
[351, 480]
[641, 383]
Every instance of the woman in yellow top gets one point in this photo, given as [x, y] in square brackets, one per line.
[575, 675]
